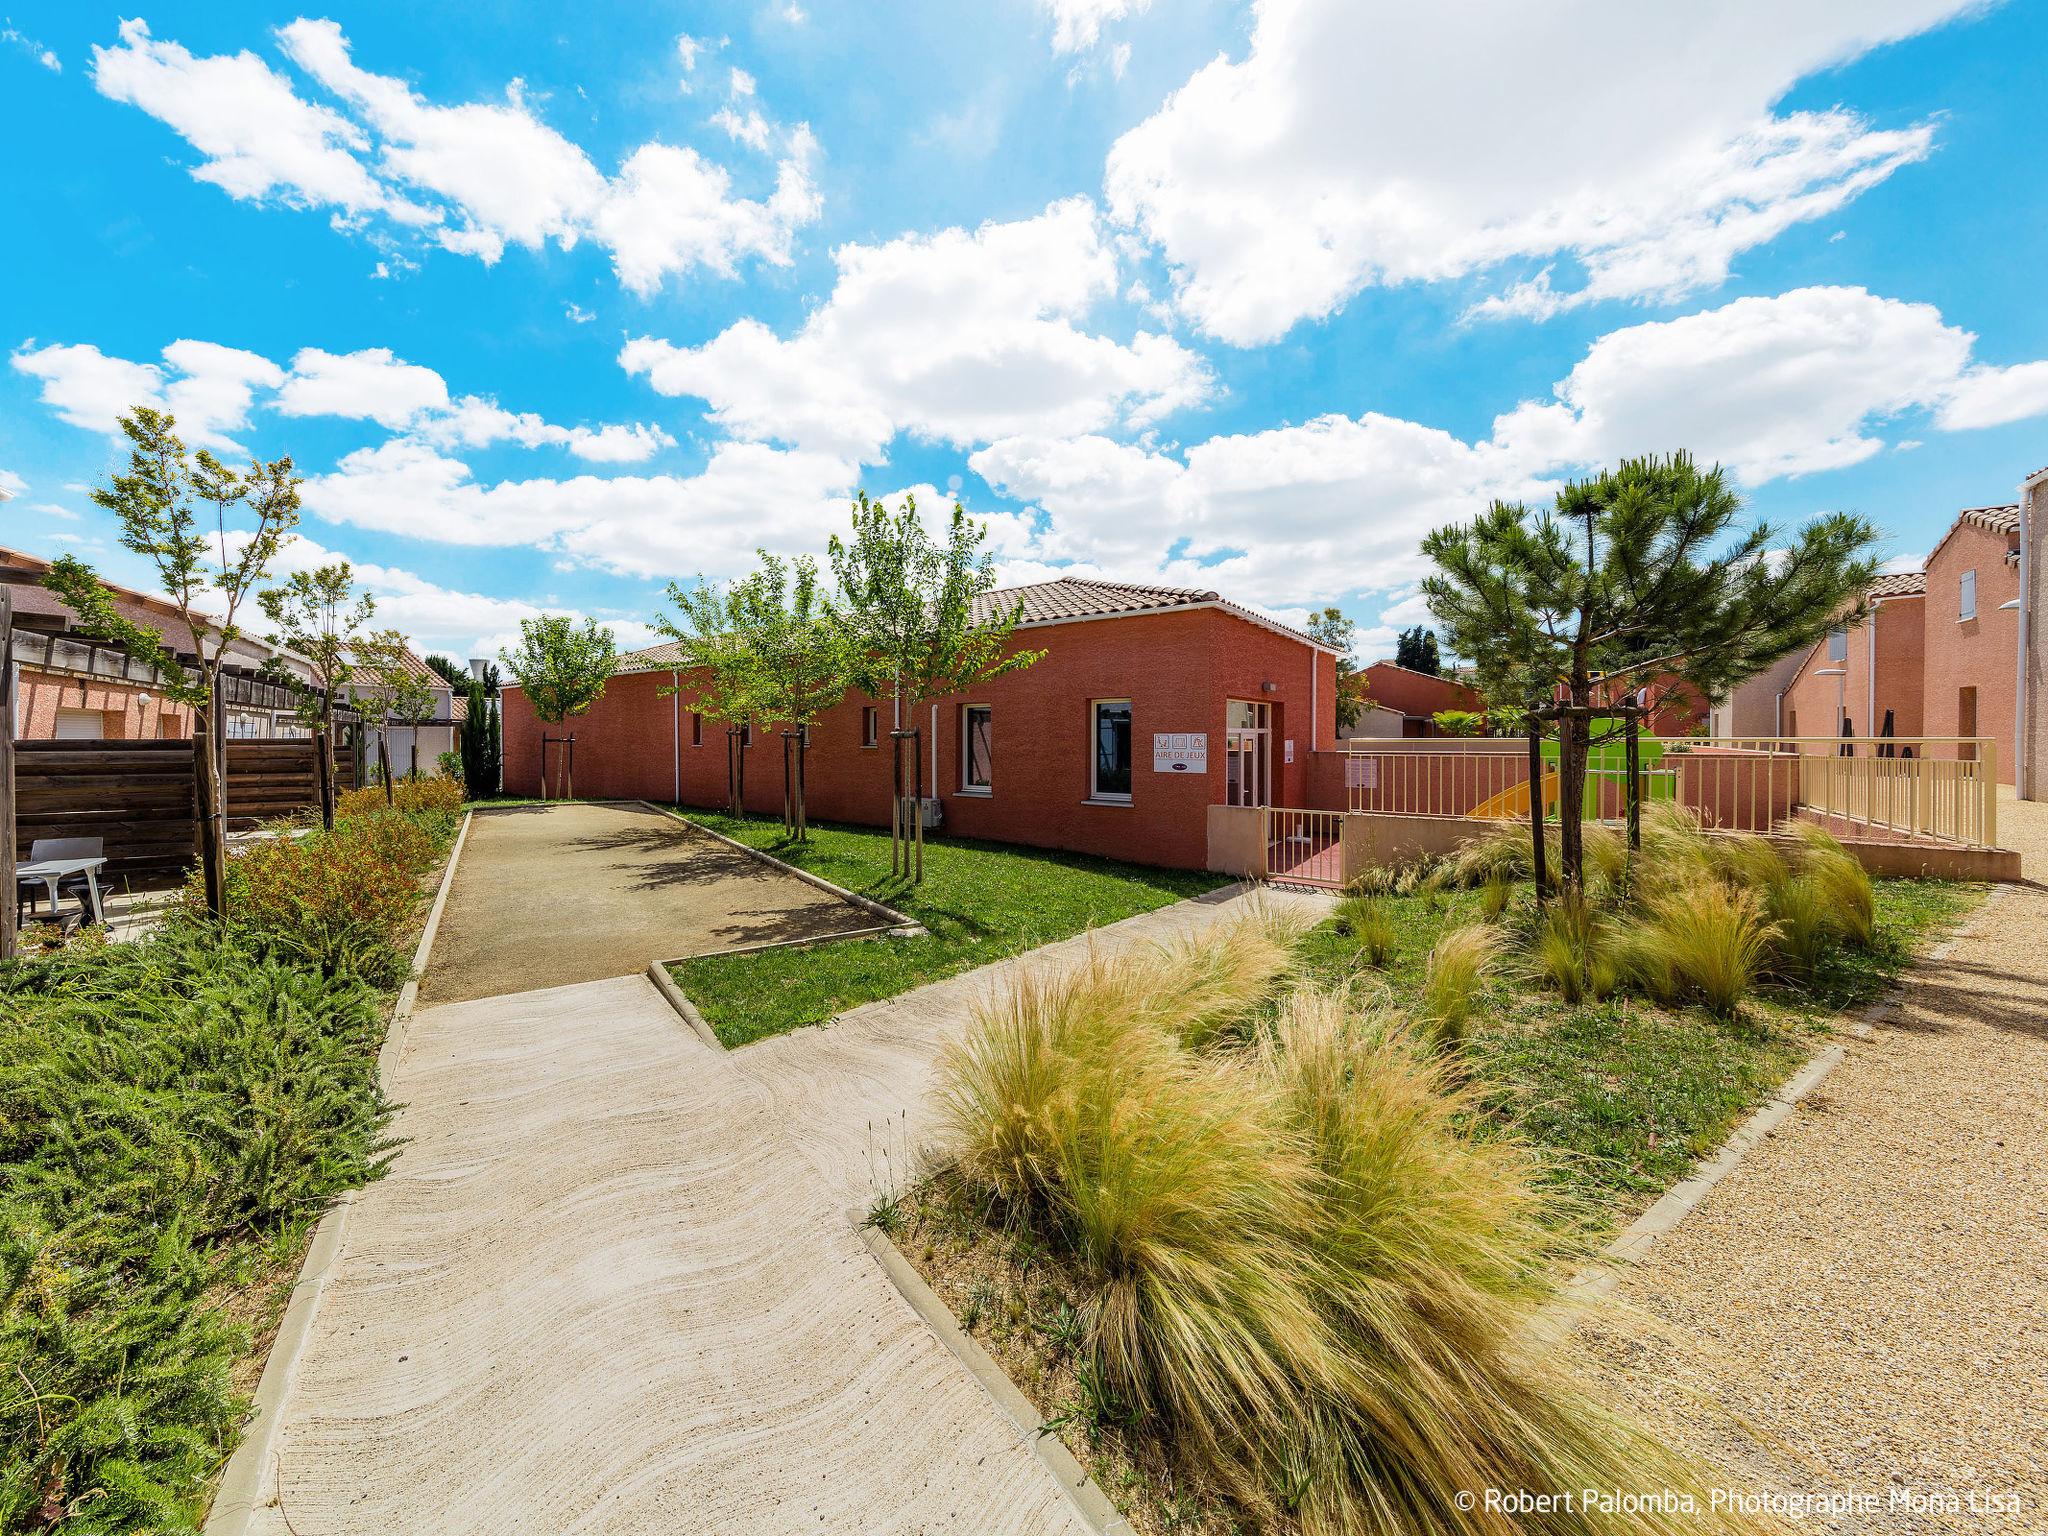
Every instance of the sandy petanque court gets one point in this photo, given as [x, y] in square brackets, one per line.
[549, 895]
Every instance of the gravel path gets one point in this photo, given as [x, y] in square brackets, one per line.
[581, 891]
[1861, 1308]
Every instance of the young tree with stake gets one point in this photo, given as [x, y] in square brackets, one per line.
[157, 504]
[1635, 574]
[313, 616]
[802, 663]
[710, 629]
[907, 608]
[563, 670]
[398, 693]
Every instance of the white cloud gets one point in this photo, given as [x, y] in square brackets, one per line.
[1077, 24]
[956, 336]
[369, 385]
[1768, 386]
[1295, 515]
[671, 210]
[12, 485]
[211, 390]
[1991, 397]
[1355, 145]
[47, 57]
[578, 314]
[483, 175]
[258, 135]
[473, 422]
[86, 387]
[216, 387]
[436, 617]
[514, 178]
[747, 495]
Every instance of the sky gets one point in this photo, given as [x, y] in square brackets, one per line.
[552, 306]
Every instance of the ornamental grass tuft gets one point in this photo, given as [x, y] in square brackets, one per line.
[1310, 1282]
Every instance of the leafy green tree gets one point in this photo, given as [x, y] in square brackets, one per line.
[312, 615]
[915, 611]
[394, 689]
[1635, 574]
[450, 671]
[710, 631]
[1334, 629]
[479, 740]
[563, 670]
[1416, 650]
[802, 662]
[157, 504]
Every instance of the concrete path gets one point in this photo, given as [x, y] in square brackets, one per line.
[610, 1284]
[547, 895]
[1868, 1291]
[598, 1292]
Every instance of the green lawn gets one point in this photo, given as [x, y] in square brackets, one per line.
[1630, 1093]
[980, 901]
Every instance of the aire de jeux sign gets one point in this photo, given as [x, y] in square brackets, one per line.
[1180, 751]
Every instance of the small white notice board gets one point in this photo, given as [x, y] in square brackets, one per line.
[1180, 751]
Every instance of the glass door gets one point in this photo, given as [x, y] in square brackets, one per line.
[1247, 753]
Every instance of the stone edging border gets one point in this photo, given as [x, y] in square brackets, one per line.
[1087, 1497]
[905, 925]
[665, 984]
[234, 1497]
[1679, 1201]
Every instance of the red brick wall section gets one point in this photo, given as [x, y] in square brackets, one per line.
[1177, 669]
[1899, 628]
[125, 716]
[1982, 652]
[1417, 693]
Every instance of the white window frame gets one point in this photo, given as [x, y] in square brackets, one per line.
[1838, 645]
[1966, 596]
[1096, 793]
[967, 714]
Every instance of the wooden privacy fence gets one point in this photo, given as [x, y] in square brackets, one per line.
[138, 797]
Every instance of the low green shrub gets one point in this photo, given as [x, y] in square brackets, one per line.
[435, 803]
[172, 1112]
[340, 901]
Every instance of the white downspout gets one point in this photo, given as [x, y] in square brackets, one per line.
[675, 728]
[1870, 681]
[2019, 693]
[935, 754]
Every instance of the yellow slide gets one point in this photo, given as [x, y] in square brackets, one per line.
[1514, 801]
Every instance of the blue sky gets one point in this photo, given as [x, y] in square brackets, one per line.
[1249, 296]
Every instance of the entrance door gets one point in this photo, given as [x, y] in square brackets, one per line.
[1247, 753]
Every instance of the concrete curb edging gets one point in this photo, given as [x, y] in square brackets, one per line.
[1684, 1197]
[1088, 1499]
[665, 984]
[907, 926]
[241, 1481]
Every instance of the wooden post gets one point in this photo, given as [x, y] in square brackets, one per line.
[1537, 858]
[9, 850]
[1988, 765]
[571, 762]
[384, 762]
[1633, 716]
[323, 776]
[803, 746]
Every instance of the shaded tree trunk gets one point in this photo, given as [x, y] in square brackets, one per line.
[213, 861]
[384, 761]
[323, 774]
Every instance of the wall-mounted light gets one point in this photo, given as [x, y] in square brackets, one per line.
[1269, 687]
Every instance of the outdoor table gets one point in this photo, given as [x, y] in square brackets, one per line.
[50, 871]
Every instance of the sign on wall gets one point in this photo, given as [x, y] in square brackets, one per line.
[1290, 749]
[1180, 751]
